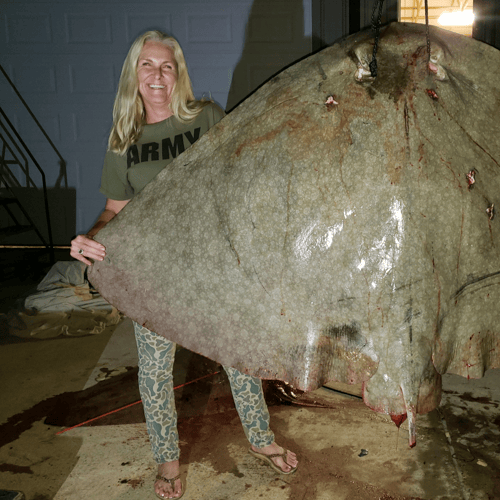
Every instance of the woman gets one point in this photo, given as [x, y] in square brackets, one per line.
[155, 117]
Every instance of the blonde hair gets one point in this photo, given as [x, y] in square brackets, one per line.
[129, 115]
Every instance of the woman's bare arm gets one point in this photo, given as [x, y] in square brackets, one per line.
[92, 249]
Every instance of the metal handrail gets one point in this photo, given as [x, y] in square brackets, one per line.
[42, 173]
[23, 144]
[62, 160]
[7, 145]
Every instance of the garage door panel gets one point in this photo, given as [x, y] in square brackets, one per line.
[35, 78]
[27, 29]
[138, 22]
[91, 128]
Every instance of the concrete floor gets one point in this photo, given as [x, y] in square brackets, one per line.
[48, 384]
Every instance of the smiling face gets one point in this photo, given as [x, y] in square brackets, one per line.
[157, 74]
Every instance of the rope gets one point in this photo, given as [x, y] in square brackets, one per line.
[427, 31]
[128, 406]
[376, 29]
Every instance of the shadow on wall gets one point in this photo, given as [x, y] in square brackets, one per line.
[274, 39]
[62, 209]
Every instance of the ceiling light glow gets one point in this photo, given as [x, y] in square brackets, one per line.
[456, 18]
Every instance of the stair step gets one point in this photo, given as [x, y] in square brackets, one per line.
[12, 230]
[7, 200]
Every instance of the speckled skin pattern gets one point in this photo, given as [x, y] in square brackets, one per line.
[325, 229]
[156, 361]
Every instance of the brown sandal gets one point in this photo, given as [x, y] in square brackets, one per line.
[171, 482]
[267, 458]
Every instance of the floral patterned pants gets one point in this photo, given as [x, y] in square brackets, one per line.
[156, 361]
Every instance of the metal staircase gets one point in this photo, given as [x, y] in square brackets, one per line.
[15, 176]
[12, 157]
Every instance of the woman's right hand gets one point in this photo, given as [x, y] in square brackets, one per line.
[84, 248]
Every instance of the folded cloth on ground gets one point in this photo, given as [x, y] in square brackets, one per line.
[64, 304]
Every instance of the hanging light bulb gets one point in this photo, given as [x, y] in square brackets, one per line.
[456, 18]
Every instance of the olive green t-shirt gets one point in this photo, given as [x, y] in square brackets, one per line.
[123, 176]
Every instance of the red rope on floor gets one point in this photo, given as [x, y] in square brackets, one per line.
[131, 404]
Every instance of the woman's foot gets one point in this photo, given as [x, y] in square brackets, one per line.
[164, 488]
[285, 463]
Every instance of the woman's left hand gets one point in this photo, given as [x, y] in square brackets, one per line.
[83, 246]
